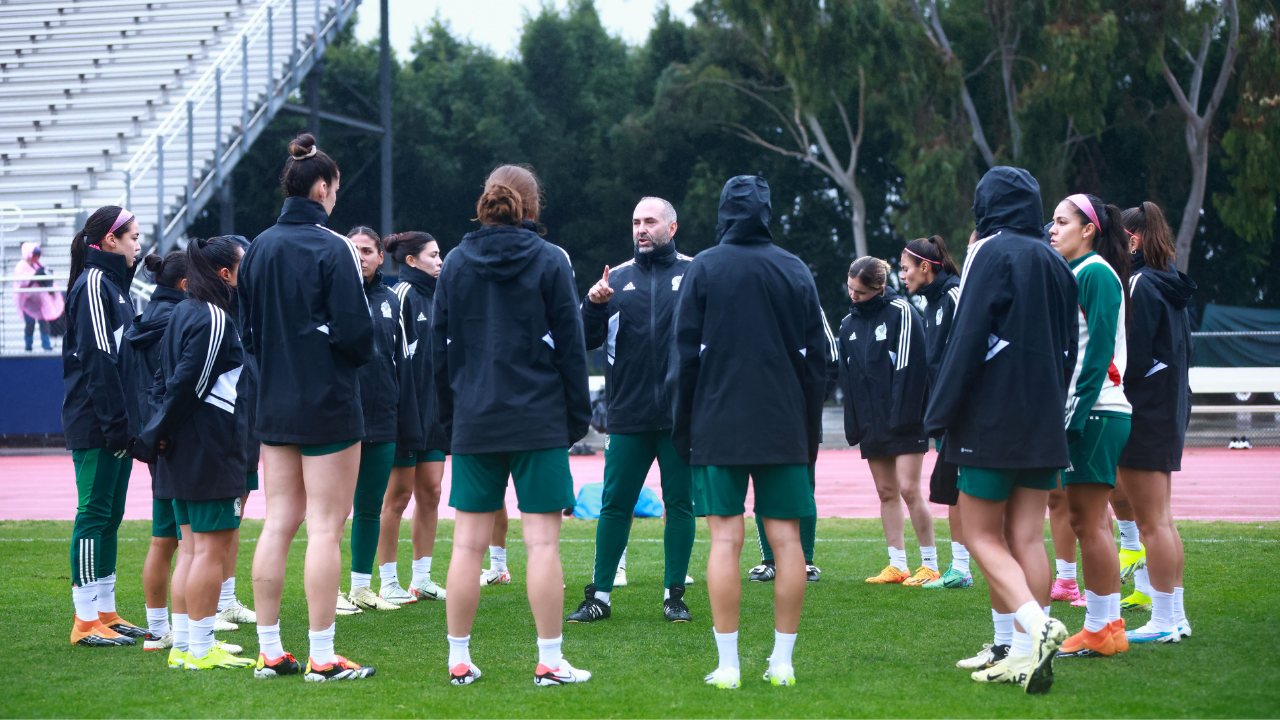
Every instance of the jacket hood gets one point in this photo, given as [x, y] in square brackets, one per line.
[1008, 198]
[501, 251]
[302, 211]
[745, 211]
[867, 308]
[1176, 287]
[658, 256]
[420, 279]
[147, 330]
[941, 282]
[373, 282]
[112, 264]
[29, 250]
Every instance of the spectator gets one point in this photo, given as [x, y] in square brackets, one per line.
[36, 307]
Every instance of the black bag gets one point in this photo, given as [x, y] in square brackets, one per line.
[599, 416]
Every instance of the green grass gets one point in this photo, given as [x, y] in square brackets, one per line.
[866, 651]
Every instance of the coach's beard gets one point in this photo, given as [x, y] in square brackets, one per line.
[655, 242]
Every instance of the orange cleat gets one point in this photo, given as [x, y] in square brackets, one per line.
[122, 626]
[95, 634]
[889, 575]
[1089, 644]
[1118, 636]
[922, 576]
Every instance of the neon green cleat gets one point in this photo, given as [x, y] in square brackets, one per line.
[725, 678]
[780, 675]
[215, 659]
[1130, 562]
[1136, 601]
[952, 578]
[177, 659]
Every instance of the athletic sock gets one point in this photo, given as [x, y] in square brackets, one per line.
[1142, 582]
[783, 644]
[666, 594]
[929, 556]
[158, 621]
[360, 580]
[1030, 615]
[960, 557]
[322, 645]
[200, 635]
[1003, 623]
[1097, 610]
[268, 640]
[603, 597]
[85, 600]
[497, 559]
[1129, 535]
[181, 631]
[227, 596]
[107, 594]
[421, 570]
[387, 574]
[549, 652]
[1113, 610]
[1179, 609]
[459, 650]
[1021, 643]
[727, 646]
[1162, 610]
[898, 558]
[1066, 570]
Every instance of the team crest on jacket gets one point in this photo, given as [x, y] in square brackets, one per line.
[937, 319]
[386, 309]
[882, 332]
[675, 282]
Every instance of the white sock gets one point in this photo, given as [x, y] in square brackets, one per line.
[783, 644]
[1129, 535]
[1142, 582]
[898, 558]
[603, 597]
[1113, 611]
[1179, 610]
[1021, 643]
[727, 646]
[200, 636]
[1096, 611]
[666, 594]
[387, 573]
[227, 596]
[497, 559]
[322, 645]
[268, 640]
[1162, 610]
[158, 621]
[622, 561]
[960, 557]
[1066, 570]
[360, 580]
[421, 570]
[85, 600]
[929, 556]
[1004, 628]
[549, 652]
[459, 650]
[1030, 615]
[181, 631]
[107, 594]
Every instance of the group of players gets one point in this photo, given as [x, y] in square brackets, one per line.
[1062, 346]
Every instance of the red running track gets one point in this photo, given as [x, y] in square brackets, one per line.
[1215, 484]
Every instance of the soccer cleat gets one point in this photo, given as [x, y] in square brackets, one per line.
[286, 664]
[1064, 591]
[223, 625]
[1184, 628]
[990, 655]
[951, 579]
[922, 576]
[236, 612]
[231, 648]
[495, 577]
[1121, 641]
[340, 669]
[1132, 561]
[591, 609]
[1089, 644]
[463, 674]
[673, 608]
[346, 607]
[620, 578]
[1012, 669]
[688, 579]
[113, 634]
[724, 678]
[217, 659]
[544, 676]
[122, 626]
[395, 594]
[177, 659]
[1080, 602]
[780, 675]
[426, 589]
[92, 634]
[366, 599]
[811, 573]
[1047, 635]
[1136, 601]
[764, 572]
[162, 643]
[890, 575]
[1151, 634]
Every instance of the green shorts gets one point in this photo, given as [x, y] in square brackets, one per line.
[163, 523]
[419, 457]
[317, 450]
[995, 484]
[1095, 454]
[542, 479]
[251, 481]
[781, 491]
[208, 515]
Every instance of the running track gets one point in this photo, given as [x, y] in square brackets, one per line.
[1215, 484]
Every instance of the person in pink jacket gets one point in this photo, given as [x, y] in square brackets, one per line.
[36, 307]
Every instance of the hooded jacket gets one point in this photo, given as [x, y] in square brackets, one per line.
[140, 353]
[387, 391]
[416, 292]
[748, 365]
[1012, 345]
[247, 394]
[510, 364]
[99, 311]
[1157, 379]
[35, 305]
[940, 297]
[884, 376]
[634, 327]
[305, 319]
[195, 397]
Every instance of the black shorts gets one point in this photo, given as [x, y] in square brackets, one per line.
[944, 482]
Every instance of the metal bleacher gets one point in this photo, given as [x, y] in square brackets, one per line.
[141, 103]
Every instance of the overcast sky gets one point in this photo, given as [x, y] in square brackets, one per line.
[497, 23]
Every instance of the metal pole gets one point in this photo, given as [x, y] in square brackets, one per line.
[160, 192]
[293, 54]
[313, 99]
[226, 198]
[217, 125]
[191, 155]
[244, 84]
[128, 191]
[271, 51]
[384, 86]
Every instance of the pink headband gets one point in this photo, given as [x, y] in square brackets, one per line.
[1082, 202]
[123, 218]
[935, 262]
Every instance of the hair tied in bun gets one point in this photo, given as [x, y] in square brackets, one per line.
[310, 153]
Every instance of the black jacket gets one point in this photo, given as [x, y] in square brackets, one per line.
[99, 311]
[1156, 379]
[1003, 383]
[247, 397]
[884, 376]
[140, 353]
[510, 364]
[195, 397]
[416, 292]
[748, 366]
[941, 297]
[306, 321]
[635, 329]
[387, 392]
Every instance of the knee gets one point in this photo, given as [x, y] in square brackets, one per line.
[911, 494]
[428, 494]
[888, 493]
[397, 502]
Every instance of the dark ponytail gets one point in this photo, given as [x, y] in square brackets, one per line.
[307, 164]
[402, 245]
[934, 251]
[95, 229]
[204, 259]
[169, 270]
[1147, 221]
[1112, 243]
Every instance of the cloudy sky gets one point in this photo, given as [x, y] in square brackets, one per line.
[497, 23]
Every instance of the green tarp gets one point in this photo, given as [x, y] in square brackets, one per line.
[1239, 351]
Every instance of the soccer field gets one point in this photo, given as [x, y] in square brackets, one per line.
[864, 650]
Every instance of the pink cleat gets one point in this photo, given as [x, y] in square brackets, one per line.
[1065, 591]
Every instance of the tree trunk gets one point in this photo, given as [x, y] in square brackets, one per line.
[1198, 148]
[859, 220]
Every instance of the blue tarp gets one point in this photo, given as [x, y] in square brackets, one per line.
[591, 498]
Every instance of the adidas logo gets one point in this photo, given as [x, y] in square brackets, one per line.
[630, 286]
[422, 318]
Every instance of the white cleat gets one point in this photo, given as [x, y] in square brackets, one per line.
[346, 607]
[495, 577]
[365, 599]
[220, 625]
[724, 678]
[426, 589]
[1013, 669]
[163, 643]
[1046, 637]
[1184, 628]
[565, 674]
[231, 648]
[688, 579]
[620, 578]
[236, 612]
[396, 594]
[463, 674]
[990, 655]
[780, 675]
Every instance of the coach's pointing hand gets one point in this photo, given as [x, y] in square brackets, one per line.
[601, 292]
